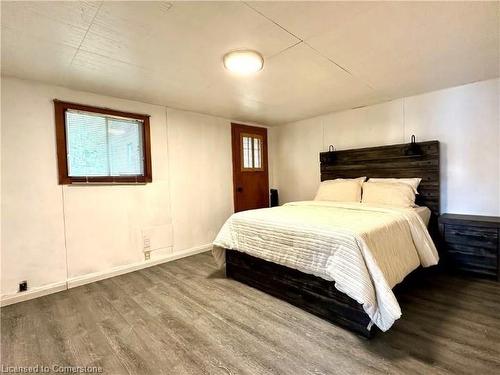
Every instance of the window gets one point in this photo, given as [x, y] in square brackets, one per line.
[101, 145]
[251, 149]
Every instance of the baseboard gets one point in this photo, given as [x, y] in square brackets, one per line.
[33, 293]
[73, 282]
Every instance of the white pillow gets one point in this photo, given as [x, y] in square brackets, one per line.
[413, 182]
[393, 194]
[340, 190]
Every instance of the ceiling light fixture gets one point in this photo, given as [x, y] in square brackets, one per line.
[243, 62]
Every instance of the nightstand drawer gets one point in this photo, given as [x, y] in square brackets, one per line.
[475, 259]
[471, 236]
[471, 243]
[483, 252]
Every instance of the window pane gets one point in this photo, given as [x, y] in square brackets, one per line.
[99, 145]
[125, 147]
[257, 163]
[87, 145]
[247, 152]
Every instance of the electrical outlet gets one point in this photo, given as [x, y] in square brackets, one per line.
[23, 286]
[147, 255]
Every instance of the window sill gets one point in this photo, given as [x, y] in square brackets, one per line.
[105, 183]
[118, 180]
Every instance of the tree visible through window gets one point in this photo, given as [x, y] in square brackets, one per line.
[101, 145]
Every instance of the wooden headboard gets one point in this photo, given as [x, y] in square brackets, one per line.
[390, 161]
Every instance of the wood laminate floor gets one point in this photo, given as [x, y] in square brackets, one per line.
[185, 317]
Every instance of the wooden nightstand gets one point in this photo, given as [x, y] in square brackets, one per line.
[471, 243]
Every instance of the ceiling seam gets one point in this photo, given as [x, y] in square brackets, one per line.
[285, 49]
[339, 66]
[301, 40]
[86, 32]
[115, 60]
[273, 21]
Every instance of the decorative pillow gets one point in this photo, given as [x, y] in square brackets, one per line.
[393, 194]
[413, 182]
[340, 190]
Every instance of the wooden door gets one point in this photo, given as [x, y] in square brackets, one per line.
[250, 172]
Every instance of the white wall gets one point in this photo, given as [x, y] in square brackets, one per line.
[53, 233]
[464, 119]
[202, 190]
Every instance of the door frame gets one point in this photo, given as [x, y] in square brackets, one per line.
[236, 153]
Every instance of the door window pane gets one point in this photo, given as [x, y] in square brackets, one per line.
[247, 152]
[257, 163]
[251, 152]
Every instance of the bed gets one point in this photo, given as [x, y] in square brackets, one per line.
[340, 261]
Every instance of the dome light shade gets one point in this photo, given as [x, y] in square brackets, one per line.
[243, 62]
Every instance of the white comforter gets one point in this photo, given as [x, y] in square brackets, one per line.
[365, 249]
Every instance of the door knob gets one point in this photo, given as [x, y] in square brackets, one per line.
[239, 189]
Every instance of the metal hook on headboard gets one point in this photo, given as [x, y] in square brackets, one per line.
[413, 149]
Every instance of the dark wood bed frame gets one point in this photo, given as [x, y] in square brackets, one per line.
[319, 296]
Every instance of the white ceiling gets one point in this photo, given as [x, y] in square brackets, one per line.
[319, 56]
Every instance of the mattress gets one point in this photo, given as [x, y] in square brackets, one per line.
[424, 213]
[365, 249]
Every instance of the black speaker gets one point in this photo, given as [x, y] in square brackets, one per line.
[274, 198]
